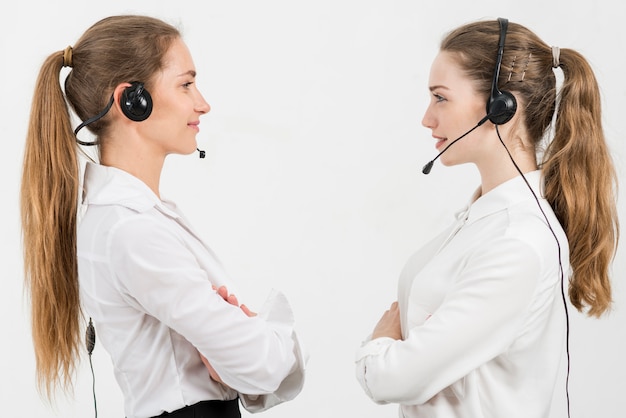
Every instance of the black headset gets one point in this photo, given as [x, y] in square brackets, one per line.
[135, 102]
[502, 104]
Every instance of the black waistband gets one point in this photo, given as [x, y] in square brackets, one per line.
[207, 409]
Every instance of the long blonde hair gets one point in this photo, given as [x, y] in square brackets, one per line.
[116, 49]
[579, 175]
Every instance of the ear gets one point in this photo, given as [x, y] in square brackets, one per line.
[117, 97]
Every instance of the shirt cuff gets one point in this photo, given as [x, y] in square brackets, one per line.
[362, 358]
[373, 347]
[277, 310]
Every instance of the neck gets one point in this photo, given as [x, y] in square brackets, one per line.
[502, 170]
[140, 163]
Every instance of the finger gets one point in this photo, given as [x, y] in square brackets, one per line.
[232, 299]
[247, 311]
[210, 368]
[223, 292]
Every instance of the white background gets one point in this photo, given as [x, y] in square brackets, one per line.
[312, 182]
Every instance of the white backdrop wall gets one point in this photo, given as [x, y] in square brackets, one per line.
[312, 182]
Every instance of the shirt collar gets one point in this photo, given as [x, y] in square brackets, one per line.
[105, 185]
[505, 195]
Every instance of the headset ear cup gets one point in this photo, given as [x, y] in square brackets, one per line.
[136, 102]
[502, 108]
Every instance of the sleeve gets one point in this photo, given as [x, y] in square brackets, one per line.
[277, 311]
[160, 275]
[478, 320]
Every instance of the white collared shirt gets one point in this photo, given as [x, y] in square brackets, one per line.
[482, 315]
[146, 280]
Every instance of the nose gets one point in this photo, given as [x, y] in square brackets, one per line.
[201, 105]
[428, 121]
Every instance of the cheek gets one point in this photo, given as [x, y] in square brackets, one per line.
[479, 110]
[164, 117]
[469, 118]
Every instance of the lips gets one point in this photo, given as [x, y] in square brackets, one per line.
[440, 141]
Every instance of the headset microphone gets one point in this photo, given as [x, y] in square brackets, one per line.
[429, 165]
[201, 153]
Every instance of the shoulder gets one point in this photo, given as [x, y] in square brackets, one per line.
[519, 243]
[120, 230]
[536, 225]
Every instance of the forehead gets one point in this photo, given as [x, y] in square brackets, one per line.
[445, 71]
[178, 58]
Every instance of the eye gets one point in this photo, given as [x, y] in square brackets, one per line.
[439, 98]
[187, 84]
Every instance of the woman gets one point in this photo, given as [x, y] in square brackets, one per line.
[154, 289]
[480, 324]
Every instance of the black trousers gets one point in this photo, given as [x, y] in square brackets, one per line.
[207, 409]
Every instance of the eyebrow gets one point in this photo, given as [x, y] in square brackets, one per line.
[190, 72]
[435, 87]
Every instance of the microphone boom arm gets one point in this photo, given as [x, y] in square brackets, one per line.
[426, 169]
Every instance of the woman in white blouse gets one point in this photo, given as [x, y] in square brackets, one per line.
[480, 325]
[180, 344]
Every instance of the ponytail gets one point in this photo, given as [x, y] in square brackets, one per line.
[49, 200]
[581, 185]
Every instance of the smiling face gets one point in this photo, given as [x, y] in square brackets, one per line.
[174, 123]
[455, 107]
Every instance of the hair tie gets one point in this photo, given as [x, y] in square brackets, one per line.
[556, 53]
[67, 57]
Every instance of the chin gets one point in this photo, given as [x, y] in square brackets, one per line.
[452, 160]
[447, 163]
[187, 150]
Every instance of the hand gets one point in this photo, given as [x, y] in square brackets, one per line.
[232, 299]
[389, 324]
[212, 371]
